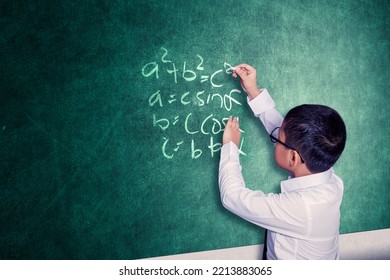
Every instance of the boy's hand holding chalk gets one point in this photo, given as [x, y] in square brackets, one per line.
[247, 75]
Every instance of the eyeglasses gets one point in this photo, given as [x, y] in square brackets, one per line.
[275, 139]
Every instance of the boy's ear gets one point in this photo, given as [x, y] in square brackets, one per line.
[292, 158]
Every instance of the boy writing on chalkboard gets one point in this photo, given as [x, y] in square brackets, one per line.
[302, 221]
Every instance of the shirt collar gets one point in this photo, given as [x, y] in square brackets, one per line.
[294, 184]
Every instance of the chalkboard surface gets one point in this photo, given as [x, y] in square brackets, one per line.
[112, 115]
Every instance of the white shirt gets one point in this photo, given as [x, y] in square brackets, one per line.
[303, 220]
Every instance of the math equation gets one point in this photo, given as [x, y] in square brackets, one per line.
[185, 118]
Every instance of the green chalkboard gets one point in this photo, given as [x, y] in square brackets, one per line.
[112, 115]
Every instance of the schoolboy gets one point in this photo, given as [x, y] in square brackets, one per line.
[303, 220]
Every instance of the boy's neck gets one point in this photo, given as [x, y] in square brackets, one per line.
[300, 172]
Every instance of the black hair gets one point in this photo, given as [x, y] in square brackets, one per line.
[318, 133]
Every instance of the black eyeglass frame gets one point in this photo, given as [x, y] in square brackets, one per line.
[274, 140]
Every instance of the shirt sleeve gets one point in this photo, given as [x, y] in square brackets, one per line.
[263, 107]
[277, 212]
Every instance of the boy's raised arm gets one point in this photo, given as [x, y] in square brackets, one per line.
[261, 103]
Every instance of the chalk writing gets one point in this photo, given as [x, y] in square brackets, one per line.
[179, 115]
